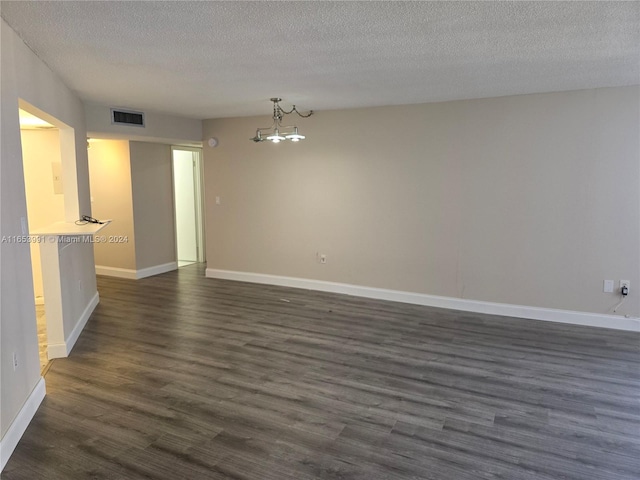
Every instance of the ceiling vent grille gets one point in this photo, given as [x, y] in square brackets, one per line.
[127, 117]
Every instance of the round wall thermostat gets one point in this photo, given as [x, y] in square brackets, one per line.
[213, 142]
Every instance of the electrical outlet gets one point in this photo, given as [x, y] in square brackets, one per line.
[625, 283]
[321, 257]
[15, 361]
[608, 286]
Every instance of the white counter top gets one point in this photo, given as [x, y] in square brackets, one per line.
[70, 228]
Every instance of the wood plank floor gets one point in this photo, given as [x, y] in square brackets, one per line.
[182, 377]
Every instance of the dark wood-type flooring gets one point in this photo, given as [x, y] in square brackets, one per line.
[182, 377]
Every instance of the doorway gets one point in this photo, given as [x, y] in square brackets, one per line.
[188, 203]
[42, 168]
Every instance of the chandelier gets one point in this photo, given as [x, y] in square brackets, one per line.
[277, 132]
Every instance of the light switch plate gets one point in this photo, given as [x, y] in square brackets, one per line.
[608, 286]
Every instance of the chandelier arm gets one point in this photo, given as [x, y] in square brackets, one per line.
[273, 124]
[294, 109]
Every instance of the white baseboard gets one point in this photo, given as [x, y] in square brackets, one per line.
[82, 321]
[57, 350]
[62, 350]
[156, 270]
[520, 311]
[136, 274]
[21, 422]
[116, 272]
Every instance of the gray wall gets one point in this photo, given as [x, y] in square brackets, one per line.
[152, 188]
[528, 200]
[25, 77]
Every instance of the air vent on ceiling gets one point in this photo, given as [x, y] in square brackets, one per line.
[127, 117]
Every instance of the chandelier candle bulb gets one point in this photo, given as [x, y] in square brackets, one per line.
[277, 132]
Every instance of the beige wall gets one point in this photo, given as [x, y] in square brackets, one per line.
[26, 78]
[40, 149]
[110, 178]
[528, 200]
[152, 204]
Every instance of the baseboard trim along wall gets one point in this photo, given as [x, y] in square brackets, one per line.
[116, 272]
[10, 440]
[156, 270]
[136, 274]
[503, 309]
[62, 350]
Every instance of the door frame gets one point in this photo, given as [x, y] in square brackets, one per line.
[198, 190]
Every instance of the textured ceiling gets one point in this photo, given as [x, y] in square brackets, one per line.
[220, 59]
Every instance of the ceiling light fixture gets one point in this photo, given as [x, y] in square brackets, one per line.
[277, 132]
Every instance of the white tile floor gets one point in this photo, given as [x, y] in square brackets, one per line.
[42, 335]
